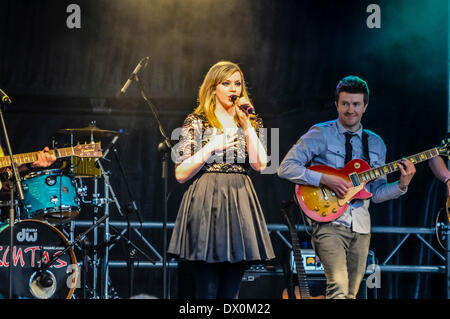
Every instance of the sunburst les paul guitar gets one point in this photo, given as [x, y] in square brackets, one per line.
[321, 203]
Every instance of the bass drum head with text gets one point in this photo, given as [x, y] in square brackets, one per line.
[35, 241]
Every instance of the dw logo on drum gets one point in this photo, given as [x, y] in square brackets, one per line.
[27, 234]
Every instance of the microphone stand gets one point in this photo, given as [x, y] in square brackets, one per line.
[164, 148]
[44, 266]
[18, 188]
[129, 209]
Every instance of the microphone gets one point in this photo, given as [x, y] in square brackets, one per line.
[111, 144]
[4, 98]
[44, 280]
[142, 64]
[247, 108]
[113, 141]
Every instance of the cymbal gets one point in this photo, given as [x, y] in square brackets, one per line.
[86, 131]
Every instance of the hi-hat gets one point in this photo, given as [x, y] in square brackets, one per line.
[87, 131]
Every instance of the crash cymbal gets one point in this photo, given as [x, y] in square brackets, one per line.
[89, 130]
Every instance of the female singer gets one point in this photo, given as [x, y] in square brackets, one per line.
[220, 226]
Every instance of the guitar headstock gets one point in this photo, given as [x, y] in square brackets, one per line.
[444, 148]
[88, 150]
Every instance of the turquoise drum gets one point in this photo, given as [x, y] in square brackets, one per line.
[49, 195]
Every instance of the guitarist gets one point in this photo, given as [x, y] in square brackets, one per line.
[343, 244]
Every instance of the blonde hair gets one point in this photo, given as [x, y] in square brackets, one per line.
[219, 72]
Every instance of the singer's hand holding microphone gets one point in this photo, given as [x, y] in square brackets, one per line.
[243, 104]
[243, 109]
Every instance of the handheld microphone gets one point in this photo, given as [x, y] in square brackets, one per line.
[142, 64]
[247, 108]
[4, 98]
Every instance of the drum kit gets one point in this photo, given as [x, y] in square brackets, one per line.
[44, 260]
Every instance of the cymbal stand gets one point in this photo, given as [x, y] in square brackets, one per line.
[87, 246]
[106, 234]
[96, 202]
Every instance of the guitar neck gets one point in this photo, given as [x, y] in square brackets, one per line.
[301, 273]
[375, 173]
[26, 158]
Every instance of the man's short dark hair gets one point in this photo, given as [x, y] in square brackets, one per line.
[353, 84]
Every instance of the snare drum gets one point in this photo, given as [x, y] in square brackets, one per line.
[36, 241]
[50, 195]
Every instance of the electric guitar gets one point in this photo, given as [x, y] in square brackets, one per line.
[321, 203]
[302, 290]
[92, 150]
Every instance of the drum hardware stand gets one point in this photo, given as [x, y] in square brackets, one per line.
[17, 188]
[106, 235]
[164, 148]
[130, 209]
[84, 247]
[96, 202]
[446, 231]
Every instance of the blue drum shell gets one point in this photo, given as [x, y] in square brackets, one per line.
[47, 192]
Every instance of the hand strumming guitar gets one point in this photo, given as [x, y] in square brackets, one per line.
[337, 184]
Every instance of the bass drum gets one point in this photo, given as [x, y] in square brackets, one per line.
[34, 241]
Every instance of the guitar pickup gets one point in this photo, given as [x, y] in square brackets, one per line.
[354, 179]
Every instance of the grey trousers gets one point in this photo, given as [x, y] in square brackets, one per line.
[343, 254]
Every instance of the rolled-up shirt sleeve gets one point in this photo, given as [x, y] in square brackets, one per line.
[293, 166]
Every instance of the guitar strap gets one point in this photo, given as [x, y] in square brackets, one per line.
[365, 142]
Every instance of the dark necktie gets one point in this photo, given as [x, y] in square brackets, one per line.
[348, 147]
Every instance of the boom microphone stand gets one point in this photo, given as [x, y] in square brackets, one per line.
[129, 210]
[18, 187]
[164, 148]
[42, 276]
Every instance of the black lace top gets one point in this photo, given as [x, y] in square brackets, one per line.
[197, 132]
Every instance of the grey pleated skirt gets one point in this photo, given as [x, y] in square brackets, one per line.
[220, 220]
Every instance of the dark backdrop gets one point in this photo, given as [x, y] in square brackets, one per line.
[293, 53]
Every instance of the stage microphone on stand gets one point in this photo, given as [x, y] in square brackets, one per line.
[247, 108]
[142, 64]
[42, 283]
[108, 148]
[44, 280]
[113, 141]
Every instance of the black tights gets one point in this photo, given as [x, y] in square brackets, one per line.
[218, 280]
